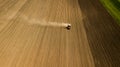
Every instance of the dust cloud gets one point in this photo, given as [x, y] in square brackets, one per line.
[44, 22]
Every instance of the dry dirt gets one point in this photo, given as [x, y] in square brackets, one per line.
[33, 34]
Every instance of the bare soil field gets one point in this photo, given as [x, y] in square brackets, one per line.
[33, 34]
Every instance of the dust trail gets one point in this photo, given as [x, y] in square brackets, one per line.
[44, 22]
